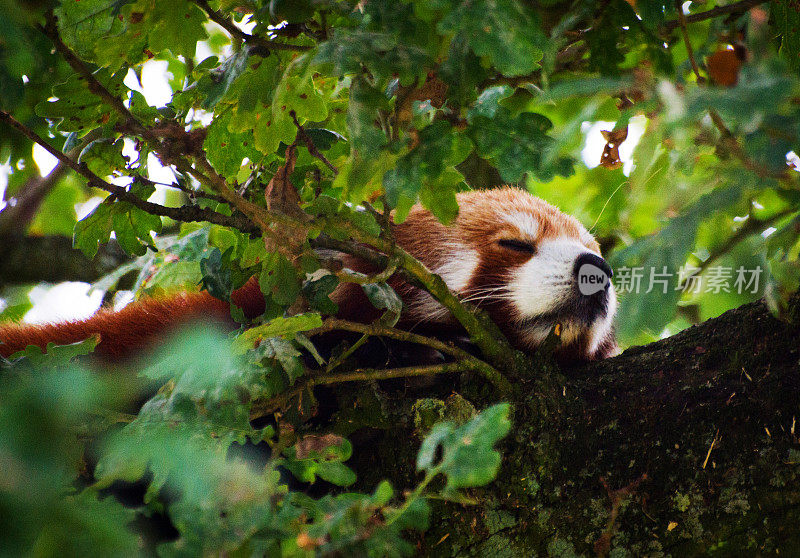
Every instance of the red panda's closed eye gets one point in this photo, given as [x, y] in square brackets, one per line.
[517, 245]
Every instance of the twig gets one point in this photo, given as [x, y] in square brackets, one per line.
[752, 226]
[742, 6]
[711, 448]
[301, 133]
[226, 24]
[733, 145]
[617, 498]
[333, 363]
[731, 142]
[364, 279]
[687, 42]
[480, 328]
[182, 188]
[375, 329]
[367, 374]
[358, 250]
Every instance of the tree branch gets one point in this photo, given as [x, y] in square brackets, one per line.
[31, 259]
[752, 226]
[191, 192]
[737, 7]
[14, 219]
[262, 409]
[50, 30]
[378, 330]
[234, 31]
[686, 41]
[184, 213]
[628, 444]
[301, 133]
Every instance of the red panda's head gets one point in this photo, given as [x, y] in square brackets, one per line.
[524, 261]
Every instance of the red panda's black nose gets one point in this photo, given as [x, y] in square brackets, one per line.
[589, 267]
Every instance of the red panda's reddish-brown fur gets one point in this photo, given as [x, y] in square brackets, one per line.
[136, 326]
[470, 256]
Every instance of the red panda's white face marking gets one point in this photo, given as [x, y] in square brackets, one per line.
[517, 257]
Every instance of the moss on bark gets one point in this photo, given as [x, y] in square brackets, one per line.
[683, 447]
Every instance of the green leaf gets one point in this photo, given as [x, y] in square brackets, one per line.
[277, 327]
[518, 144]
[279, 281]
[114, 33]
[44, 511]
[321, 456]
[215, 84]
[78, 109]
[468, 457]
[216, 272]
[103, 157]
[669, 248]
[102, 30]
[336, 473]
[364, 134]
[383, 297]
[274, 124]
[285, 354]
[163, 18]
[382, 53]
[504, 31]
[226, 149]
[427, 170]
[760, 91]
[56, 355]
[604, 39]
[787, 23]
[317, 290]
[133, 227]
[175, 276]
[324, 139]
[462, 71]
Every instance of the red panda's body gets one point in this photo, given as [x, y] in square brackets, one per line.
[508, 252]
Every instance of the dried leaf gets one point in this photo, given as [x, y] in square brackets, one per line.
[282, 197]
[610, 157]
[281, 194]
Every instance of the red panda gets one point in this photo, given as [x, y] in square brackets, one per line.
[516, 256]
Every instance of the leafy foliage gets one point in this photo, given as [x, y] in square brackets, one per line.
[356, 111]
[221, 501]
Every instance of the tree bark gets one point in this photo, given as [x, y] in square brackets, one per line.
[682, 447]
[31, 259]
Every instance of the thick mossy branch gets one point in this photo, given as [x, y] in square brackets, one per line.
[675, 448]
